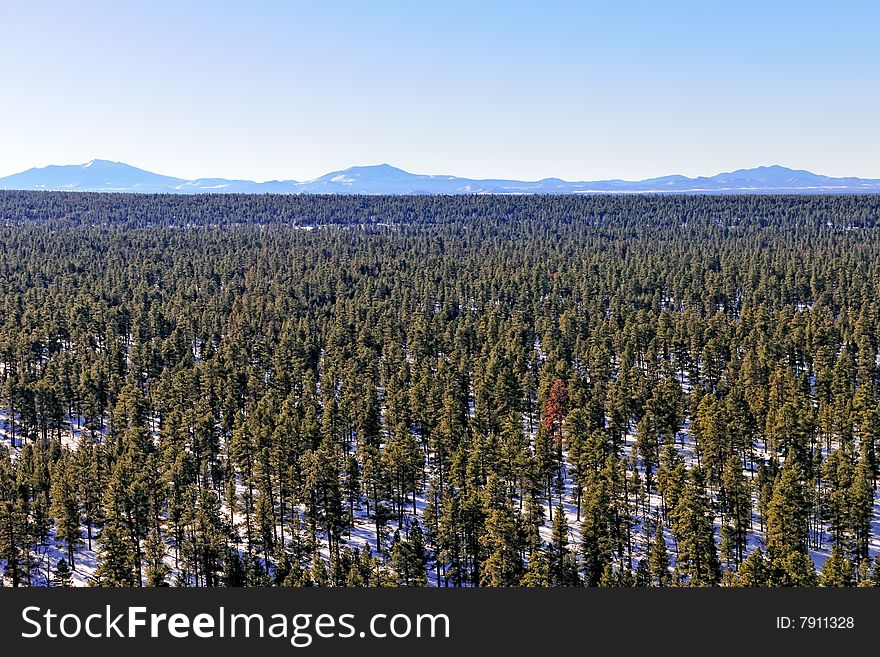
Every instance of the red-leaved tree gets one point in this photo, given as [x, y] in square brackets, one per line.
[556, 408]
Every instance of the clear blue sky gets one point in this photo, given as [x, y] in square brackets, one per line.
[578, 90]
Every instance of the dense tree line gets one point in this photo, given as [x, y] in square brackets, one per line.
[456, 391]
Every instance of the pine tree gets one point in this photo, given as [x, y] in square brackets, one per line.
[449, 540]
[154, 551]
[788, 513]
[648, 445]
[737, 507]
[63, 576]
[792, 569]
[13, 529]
[671, 476]
[875, 572]
[264, 519]
[861, 497]
[556, 408]
[354, 578]
[503, 565]
[368, 565]
[404, 460]
[838, 474]
[609, 578]
[710, 429]
[65, 508]
[753, 572]
[409, 561]
[116, 565]
[538, 573]
[658, 558]
[558, 549]
[837, 570]
[89, 477]
[693, 527]
[596, 531]
[318, 573]
[418, 555]
[127, 499]
[863, 573]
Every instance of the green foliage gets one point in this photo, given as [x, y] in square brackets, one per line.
[837, 570]
[232, 391]
[63, 576]
[754, 571]
[116, 562]
[697, 563]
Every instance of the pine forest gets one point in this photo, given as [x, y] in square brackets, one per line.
[444, 391]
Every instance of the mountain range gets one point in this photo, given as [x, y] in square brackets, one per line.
[107, 176]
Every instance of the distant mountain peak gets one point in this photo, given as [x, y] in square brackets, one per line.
[377, 169]
[105, 163]
[109, 176]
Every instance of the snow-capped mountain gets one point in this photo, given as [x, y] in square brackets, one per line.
[106, 176]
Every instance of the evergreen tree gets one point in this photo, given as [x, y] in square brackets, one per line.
[13, 529]
[596, 531]
[65, 509]
[788, 513]
[792, 569]
[658, 558]
[116, 564]
[737, 507]
[861, 495]
[63, 576]
[697, 556]
[409, 560]
[837, 570]
[154, 551]
[560, 574]
[503, 565]
[754, 571]
[538, 572]
[875, 572]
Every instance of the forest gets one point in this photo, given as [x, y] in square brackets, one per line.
[467, 391]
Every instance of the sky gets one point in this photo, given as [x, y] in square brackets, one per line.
[584, 90]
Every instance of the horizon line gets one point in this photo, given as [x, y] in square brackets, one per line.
[795, 169]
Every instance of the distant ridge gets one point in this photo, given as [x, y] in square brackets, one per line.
[107, 176]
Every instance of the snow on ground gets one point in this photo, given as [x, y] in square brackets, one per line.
[364, 528]
[84, 563]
